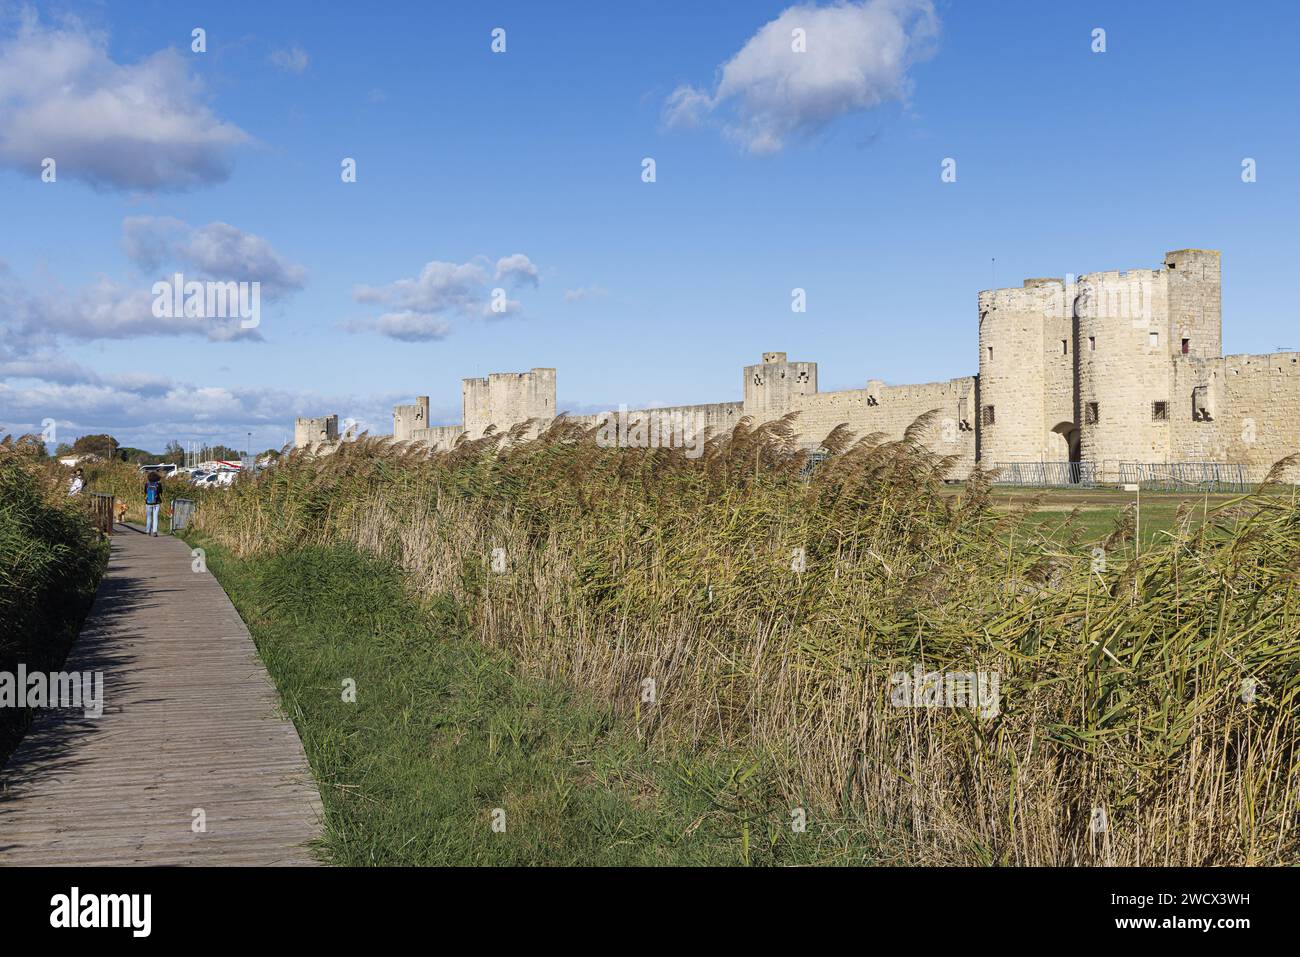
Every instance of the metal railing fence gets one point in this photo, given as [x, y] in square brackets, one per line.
[1046, 474]
[1185, 476]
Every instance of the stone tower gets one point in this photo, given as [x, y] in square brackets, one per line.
[771, 388]
[1124, 367]
[311, 432]
[1195, 298]
[1131, 325]
[505, 399]
[1080, 370]
[1024, 374]
[408, 418]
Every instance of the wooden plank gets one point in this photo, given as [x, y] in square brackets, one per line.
[191, 720]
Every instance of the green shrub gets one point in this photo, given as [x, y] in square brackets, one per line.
[51, 559]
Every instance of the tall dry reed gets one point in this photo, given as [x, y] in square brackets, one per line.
[1146, 710]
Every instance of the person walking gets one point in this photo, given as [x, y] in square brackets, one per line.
[152, 502]
[77, 484]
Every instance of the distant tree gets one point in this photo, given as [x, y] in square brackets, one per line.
[174, 454]
[135, 456]
[29, 445]
[222, 452]
[105, 446]
[63, 449]
[272, 454]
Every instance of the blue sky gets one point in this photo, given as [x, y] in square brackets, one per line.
[1067, 161]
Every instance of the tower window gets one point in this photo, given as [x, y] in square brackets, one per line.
[1065, 347]
[1091, 414]
[1187, 346]
[1153, 340]
[1092, 343]
[1159, 411]
[987, 416]
[990, 353]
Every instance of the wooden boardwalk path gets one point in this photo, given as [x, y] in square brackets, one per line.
[191, 721]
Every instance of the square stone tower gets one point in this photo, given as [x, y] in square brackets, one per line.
[311, 432]
[408, 418]
[771, 387]
[1131, 325]
[1195, 302]
[505, 399]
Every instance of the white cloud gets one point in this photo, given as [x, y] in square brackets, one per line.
[504, 309]
[857, 57]
[106, 309]
[419, 308]
[110, 309]
[45, 365]
[517, 268]
[292, 59]
[215, 251]
[411, 326]
[440, 286]
[139, 126]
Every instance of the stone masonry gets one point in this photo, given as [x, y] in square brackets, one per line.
[1104, 368]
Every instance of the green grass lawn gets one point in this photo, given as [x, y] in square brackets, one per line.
[443, 731]
[1097, 510]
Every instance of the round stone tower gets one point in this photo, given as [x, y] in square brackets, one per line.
[1010, 419]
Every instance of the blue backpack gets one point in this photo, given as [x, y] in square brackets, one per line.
[152, 492]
